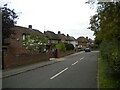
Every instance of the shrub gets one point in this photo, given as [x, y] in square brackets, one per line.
[110, 53]
[61, 46]
[69, 46]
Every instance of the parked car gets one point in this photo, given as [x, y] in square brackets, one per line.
[87, 50]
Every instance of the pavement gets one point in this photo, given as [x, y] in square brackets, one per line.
[21, 69]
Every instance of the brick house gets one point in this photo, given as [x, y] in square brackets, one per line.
[16, 41]
[15, 54]
[82, 42]
[85, 42]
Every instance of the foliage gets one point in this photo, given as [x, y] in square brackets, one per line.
[8, 21]
[106, 27]
[105, 23]
[111, 54]
[61, 46]
[35, 42]
[69, 46]
[106, 80]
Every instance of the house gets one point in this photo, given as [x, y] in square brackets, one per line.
[63, 37]
[68, 39]
[53, 39]
[16, 40]
[16, 54]
[90, 42]
[82, 42]
[72, 40]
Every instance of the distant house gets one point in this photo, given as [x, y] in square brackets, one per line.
[82, 42]
[72, 40]
[16, 40]
[53, 39]
[90, 42]
[63, 37]
[68, 39]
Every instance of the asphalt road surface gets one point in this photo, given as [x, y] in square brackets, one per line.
[78, 71]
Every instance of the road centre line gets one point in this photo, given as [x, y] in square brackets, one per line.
[75, 63]
[82, 58]
[64, 69]
[59, 73]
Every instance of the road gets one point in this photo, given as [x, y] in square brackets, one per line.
[78, 71]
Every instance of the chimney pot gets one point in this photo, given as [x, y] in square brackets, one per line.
[59, 32]
[30, 26]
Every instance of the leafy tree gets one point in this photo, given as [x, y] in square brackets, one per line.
[8, 21]
[105, 23]
[106, 27]
[35, 42]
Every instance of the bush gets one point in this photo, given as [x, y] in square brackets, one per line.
[69, 46]
[110, 53]
[61, 46]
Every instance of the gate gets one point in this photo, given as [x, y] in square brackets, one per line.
[53, 54]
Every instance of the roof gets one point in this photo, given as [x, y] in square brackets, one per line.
[82, 39]
[26, 30]
[62, 37]
[70, 38]
[51, 35]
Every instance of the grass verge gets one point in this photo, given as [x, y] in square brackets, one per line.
[106, 80]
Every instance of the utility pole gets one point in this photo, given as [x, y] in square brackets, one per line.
[44, 27]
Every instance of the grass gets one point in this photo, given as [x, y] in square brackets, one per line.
[106, 80]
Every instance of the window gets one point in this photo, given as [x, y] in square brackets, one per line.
[24, 36]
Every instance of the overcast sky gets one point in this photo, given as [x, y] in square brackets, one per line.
[68, 16]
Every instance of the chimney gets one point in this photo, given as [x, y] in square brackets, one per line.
[68, 35]
[30, 26]
[44, 31]
[59, 32]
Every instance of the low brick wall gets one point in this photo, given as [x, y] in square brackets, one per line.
[11, 60]
[62, 54]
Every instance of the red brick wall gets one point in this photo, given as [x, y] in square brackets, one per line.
[20, 51]
[12, 60]
[62, 54]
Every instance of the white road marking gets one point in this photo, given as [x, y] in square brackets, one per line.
[82, 58]
[58, 73]
[75, 63]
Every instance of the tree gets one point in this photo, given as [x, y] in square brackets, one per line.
[105, 23]
[8, 21]
[35, 42]
[106, 27]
